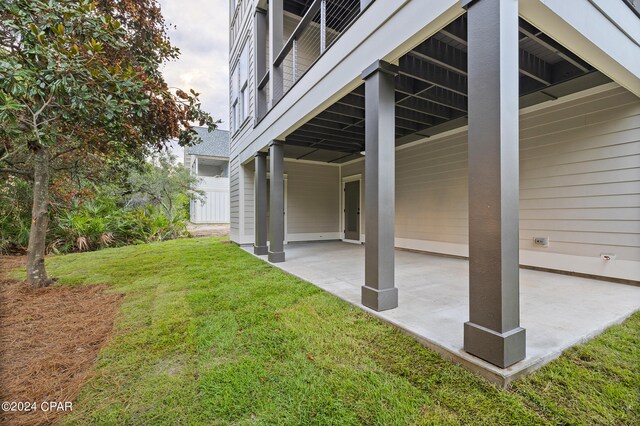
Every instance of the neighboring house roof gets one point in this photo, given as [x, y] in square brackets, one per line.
[214, 144]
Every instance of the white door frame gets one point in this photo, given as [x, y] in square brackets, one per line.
[352, 178]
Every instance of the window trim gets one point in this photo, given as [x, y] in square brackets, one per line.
[240, 103]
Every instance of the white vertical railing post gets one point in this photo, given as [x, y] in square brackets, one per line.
[276, 36]
[295, 59]
[323, 26]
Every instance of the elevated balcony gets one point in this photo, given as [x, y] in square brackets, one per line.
[563, 50]
[298, 32]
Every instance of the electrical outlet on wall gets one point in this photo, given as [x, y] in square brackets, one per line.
[541, 241]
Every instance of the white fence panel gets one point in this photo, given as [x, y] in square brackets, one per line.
[216, 206]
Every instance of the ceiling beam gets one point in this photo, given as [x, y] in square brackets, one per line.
[403, 102]
[321, 124]
[422, 105]
[319, 143]
[308, 130]
[535, 68]
[453, 59]
[408, 114]
[427, 72]
[441, 54]
[409, 87]
[550, 44]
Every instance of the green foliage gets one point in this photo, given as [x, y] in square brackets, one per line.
[101, 223]
[82, 76]
[165, 184]
[81, 88]
[15, 215]
[152, 206]
[209, 335]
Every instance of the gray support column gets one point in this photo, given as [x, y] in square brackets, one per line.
[260, 204]
[260, 52]
[379, 292]
[276, 202]
[493, 332]
[276, 42]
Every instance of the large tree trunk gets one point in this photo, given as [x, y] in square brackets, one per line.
[36, 272]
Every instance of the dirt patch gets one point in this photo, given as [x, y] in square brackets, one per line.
[203, 230]
[49, 340]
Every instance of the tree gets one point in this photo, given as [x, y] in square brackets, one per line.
[81, 87]
[163, 183]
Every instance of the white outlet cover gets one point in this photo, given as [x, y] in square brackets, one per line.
[541, 241]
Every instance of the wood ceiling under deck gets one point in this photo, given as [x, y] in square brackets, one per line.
[431, 93]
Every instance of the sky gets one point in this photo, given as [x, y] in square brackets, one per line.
[200, 29]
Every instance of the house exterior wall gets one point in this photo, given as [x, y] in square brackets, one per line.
[236, 231]
[579, 159]
[579, 186]
[210, 170]
[313, 201]
[386, 29]
[241, 35]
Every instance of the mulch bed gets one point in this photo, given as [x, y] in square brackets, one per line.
[49, 341]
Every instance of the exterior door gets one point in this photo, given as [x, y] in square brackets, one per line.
[352, 210]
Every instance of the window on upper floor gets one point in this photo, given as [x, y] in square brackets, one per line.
[240, 90]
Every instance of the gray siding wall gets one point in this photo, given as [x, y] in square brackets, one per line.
[580, 186]
[234, 200]
[580, 180]
[313, 198]
[313, 202]
[249, 198]
[580, 168]
[241, 35]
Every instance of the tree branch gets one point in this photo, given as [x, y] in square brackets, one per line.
[16, 172]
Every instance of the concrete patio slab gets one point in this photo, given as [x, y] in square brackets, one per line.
[558, 311]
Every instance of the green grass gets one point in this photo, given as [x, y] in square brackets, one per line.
[208, 334]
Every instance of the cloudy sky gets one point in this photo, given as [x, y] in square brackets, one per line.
[200, 29]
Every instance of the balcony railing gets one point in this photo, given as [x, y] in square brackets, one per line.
[298, 38]
[634, 5]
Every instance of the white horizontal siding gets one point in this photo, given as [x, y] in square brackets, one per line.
[234, 200]
[249, 201]
[580, 177]
[579, 186]
[313, 198]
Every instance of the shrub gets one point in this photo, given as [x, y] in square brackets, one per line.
[152, 205]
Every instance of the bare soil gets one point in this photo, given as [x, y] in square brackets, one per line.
[206, 230]
[49, 341]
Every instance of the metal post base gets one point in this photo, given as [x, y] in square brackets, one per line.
[501, 349]
[380, 300]
[276, 257]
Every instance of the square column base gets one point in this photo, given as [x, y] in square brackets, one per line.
[501, 349]
[380, 300]
[276, 257]
[260, 250]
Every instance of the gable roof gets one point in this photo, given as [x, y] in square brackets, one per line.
[214, 144]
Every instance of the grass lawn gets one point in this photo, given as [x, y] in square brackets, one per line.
[208, 334]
